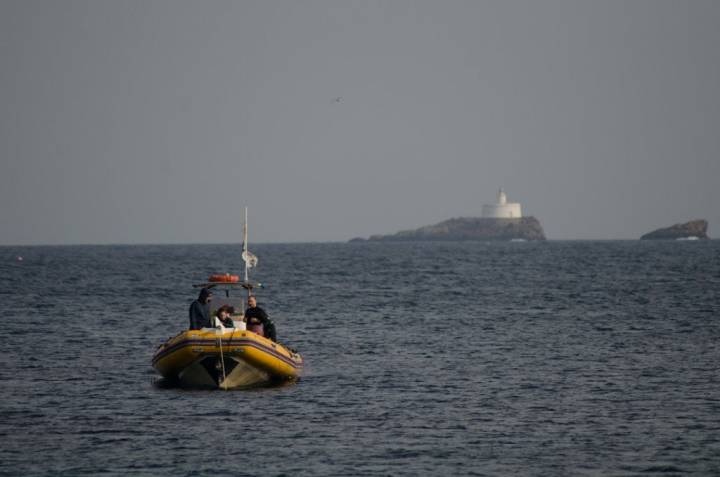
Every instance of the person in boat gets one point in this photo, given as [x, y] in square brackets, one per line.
[224, 314]
[258, 321]
[200, 310]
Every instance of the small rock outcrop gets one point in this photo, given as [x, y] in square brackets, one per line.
[470, 228]
[694, 228]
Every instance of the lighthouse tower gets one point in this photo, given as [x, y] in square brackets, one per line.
[502, 209]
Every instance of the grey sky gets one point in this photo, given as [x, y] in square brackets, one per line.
[157, 121]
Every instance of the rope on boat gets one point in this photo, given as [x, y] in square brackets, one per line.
[222, 359]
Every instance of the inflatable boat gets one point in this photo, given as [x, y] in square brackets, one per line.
[232, 353]
[225, 358]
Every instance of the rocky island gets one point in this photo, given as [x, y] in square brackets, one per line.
[694, 228]
[470, 228]
[501, 220]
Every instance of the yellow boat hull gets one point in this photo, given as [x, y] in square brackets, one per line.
[226, 360]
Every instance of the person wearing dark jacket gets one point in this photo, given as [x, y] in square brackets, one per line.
[224, 314]
[255, 315]
[200, 310]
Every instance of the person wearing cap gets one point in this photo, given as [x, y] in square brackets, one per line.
[200, 310]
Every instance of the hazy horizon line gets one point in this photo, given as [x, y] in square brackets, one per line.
[309, 242]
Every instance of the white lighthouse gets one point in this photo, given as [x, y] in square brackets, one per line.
[502, 209]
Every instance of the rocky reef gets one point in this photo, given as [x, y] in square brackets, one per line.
[470, 228]
[694, 228]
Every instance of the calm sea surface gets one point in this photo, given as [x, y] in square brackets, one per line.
[556, 358]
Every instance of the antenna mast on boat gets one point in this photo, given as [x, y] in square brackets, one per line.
[246, 256]
[245, 250]
[249, 259]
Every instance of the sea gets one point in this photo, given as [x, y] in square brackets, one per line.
[435, 358]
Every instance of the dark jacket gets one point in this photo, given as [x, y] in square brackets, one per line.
[228, 323]
[199, 315]
[257, 314]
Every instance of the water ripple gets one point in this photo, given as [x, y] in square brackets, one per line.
[557, 358]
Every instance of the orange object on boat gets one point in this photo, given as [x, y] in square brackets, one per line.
[227, 278]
